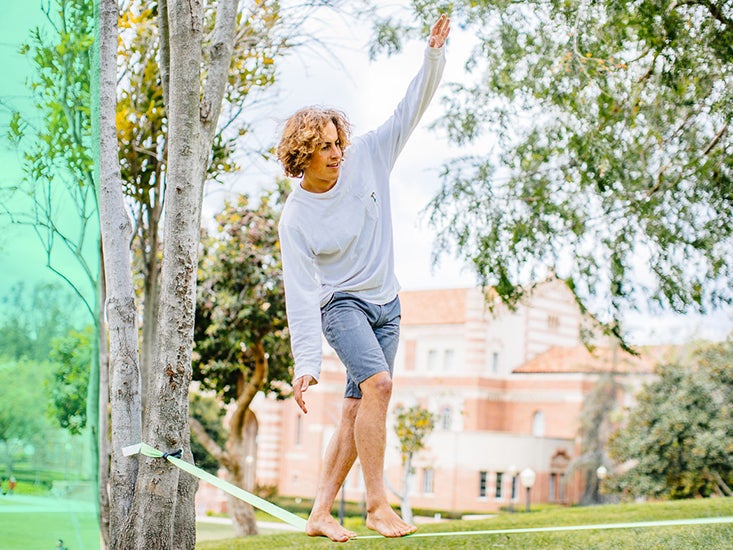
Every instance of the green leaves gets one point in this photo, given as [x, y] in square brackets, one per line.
[240, 297]
[612, 157]
[678, 439]
[412, 425]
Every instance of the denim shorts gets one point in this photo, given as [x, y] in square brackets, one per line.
[364, 336]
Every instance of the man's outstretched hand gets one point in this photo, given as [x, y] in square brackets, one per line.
[300, 386]
[439, 32]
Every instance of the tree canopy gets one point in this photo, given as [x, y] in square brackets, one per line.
[678, 440]
[597, 144]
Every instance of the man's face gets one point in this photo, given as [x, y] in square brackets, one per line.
[323, 169]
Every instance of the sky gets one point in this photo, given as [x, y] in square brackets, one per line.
[368, 91]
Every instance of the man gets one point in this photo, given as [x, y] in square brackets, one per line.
[338, 266]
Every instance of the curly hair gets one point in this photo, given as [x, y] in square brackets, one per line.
[302, 134]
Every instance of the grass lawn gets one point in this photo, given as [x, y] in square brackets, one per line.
[707, 537]
[33, 522]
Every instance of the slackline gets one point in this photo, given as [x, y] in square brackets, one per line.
[640, 524]
[299, 523]
[249, 498]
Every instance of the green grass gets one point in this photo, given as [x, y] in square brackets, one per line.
[707, 537]
[30, 522]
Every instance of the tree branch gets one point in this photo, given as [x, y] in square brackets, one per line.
[208, 443]
[253, 385]
[164, 62]
[218, 70]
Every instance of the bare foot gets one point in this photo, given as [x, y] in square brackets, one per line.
[327, 526]
[388, 524]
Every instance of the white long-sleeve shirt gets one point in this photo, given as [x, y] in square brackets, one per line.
[341, 240]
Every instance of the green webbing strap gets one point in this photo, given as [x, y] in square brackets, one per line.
[590, 527]
[249, 498]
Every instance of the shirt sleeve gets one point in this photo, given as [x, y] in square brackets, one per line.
[302, 302]
[392, 135]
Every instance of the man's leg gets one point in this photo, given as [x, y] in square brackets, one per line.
[371, 436]
[339, 458]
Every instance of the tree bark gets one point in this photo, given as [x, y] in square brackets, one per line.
[120, 308]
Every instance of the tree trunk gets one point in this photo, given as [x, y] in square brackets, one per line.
[121, 314]
[405, 506]
[242, 475]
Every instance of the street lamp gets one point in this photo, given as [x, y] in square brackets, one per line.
[601, 474]
[512, 470]
[528, 478]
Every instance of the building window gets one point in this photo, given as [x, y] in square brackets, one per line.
[433, 359]
[514, 487]
[553, 487]
[448, 356]
[427, 481]
[553, 322]
[495, 362]
[298, 430]
[499, 483]
[482, 476]
[538, 424]
[446, 418]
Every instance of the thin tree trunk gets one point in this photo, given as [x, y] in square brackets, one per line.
[120, 308]
[405, 506]
[242, 475]
[104, 511]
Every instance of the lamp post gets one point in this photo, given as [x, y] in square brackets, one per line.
[512, 470]
[601, 474]
[528, 478]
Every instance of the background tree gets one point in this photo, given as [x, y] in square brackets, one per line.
[33, 318]
[242, 340]
[412, 425]
[69, 381]
[23, 383]
[596, 425]
[598, 144]
[678, 440]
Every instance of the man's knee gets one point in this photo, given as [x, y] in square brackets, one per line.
[378, 386]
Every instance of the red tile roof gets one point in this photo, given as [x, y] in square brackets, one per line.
[579, 360]
[433, 307]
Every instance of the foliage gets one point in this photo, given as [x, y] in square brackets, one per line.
[68, 384]
[210, 414]
[56, 147]
[142, 122]
[597, 143]
[23, 385]
[32, 318]
[241, 300]
[678, 439]
[412, 425]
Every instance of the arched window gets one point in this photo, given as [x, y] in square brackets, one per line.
[538, 424]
